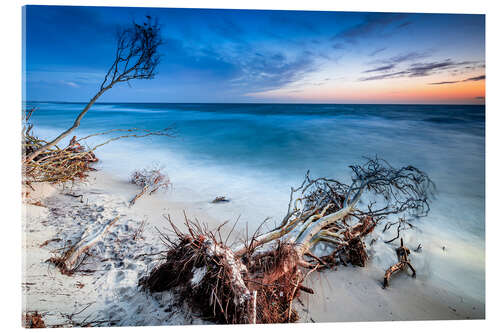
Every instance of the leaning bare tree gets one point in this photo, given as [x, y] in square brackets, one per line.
[136, 57]
[257, 280]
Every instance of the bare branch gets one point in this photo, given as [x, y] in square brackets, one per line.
[136, 57]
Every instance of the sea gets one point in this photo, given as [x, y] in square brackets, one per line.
[254, 153]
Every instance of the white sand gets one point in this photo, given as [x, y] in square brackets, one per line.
[109, 295]
[356, 294]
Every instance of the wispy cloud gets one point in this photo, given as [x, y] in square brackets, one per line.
[404, 24]
[273, 70]
[377, 51]
[64, 78]
[393, 62]
[71, 84]
[444, 82]
[403, 57]
[417, 70]
[385, 76]
[380, 69]
[373, 25]
[475, 78]
[424, 69]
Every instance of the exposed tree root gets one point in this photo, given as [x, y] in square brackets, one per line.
[207, 274]
[257, 280]
[277, 276]
[43, 162]
[57, 165]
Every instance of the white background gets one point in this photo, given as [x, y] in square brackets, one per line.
[10, 152]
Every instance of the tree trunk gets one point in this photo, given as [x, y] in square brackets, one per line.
[64, 134]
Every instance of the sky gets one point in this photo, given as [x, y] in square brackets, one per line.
[256, 56]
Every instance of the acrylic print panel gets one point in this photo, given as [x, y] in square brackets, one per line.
[196, 166]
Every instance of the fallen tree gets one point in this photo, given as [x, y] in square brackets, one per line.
[136, 58]
[257, 280]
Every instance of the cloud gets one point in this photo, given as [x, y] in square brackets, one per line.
[71, 84]
[480, 98]
[61, 79]
[385, 76]
[404, 24]
[392, 62]
[409, 56]
[424, 69]
[377, 51]
[272, 70]
[373, 25]
[380, 69]
[235, 67]
[420, 70]
[444, 82]
[475, 78]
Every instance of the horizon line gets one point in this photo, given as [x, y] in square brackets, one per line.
[297, 103]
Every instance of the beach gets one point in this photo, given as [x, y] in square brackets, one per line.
[106, 292]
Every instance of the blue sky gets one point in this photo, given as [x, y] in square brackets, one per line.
[261, 56]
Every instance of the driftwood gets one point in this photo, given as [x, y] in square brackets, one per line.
[138, 195]
[274, 265]
[404, 262]
[220, 199]
[149, 180]
[71, 259]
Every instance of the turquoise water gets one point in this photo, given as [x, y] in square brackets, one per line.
[254, 152]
